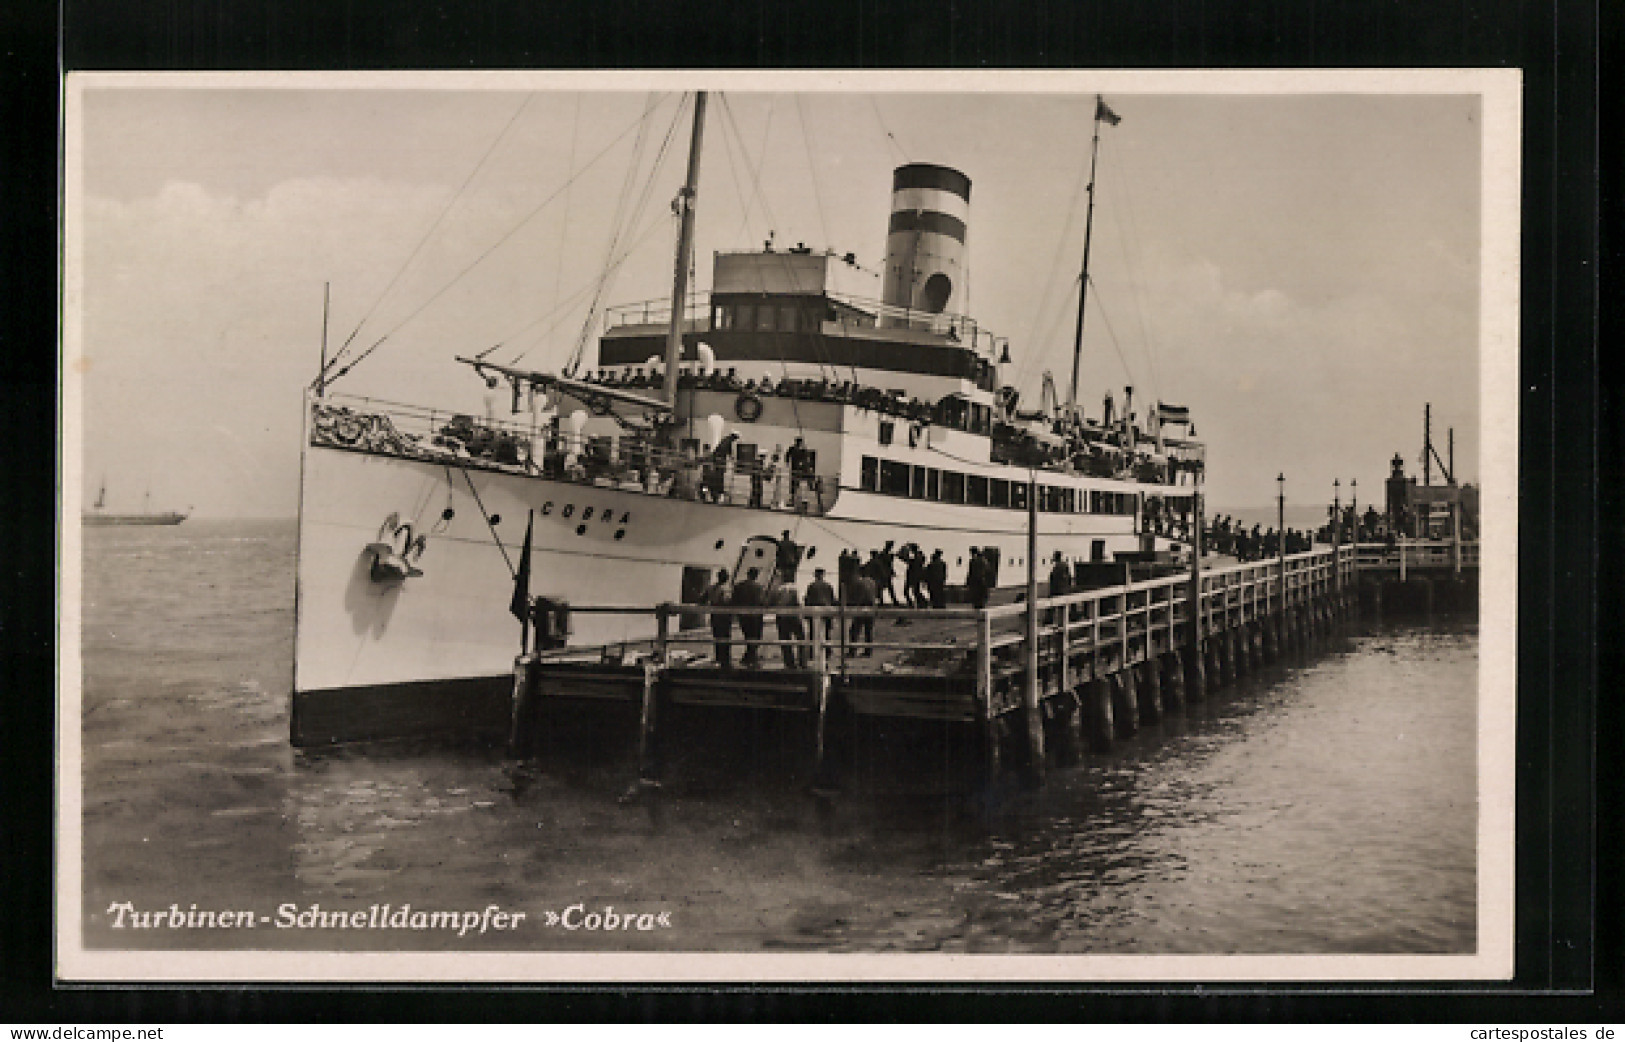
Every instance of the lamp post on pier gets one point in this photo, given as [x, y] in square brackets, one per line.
[1337, 532]
[1280, 532]
[1354, 507]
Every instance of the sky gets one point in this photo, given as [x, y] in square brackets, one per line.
[1302, 270]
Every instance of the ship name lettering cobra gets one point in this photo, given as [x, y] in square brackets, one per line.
[587, 513]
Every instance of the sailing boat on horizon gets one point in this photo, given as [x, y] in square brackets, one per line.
[97, 516]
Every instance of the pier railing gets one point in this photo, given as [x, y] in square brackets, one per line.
[1422, 555]
[1120, 624]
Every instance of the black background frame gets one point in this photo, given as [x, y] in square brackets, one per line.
[1567, 866]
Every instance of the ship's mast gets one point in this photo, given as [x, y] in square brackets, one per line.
[1083, 279]
[685, 247]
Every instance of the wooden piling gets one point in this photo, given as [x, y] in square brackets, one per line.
[984, 690]
[1173, 682]
[1195, 675]
[1125, 709]
[648, 723]
[521, 725]
[1150, 691]
[1067, 729]
[1215, 672]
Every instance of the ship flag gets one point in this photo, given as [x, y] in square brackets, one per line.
[1104, 112]
[520, 605]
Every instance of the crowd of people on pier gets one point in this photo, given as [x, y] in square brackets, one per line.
[891, 576]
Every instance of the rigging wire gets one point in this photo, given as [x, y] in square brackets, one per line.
[1030, 359]
[559, 312]
[616, 229]
[1132, 266]
[812, 168]
[755, 169]
[607, 278]
[564, 219]
[874, 104]
[487, 252]
[1111, 334]
[450, 202]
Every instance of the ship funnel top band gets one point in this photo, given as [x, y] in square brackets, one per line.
[929, 175]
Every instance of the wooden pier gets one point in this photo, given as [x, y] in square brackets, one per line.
[1019, 685]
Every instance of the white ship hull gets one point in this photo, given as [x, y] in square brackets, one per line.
[591, 545]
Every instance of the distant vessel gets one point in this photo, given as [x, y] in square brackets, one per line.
[97, 515]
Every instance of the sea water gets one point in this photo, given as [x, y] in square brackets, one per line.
[1321, 805]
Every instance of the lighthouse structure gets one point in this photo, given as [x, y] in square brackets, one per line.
[925, 241]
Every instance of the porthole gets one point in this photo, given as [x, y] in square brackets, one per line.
[496, 519]
[547, 508]
[620, 533]
[608, 515]
[581, 529]
[719, 544]
[586, 514]
[758, 551]
[569, 510]
[812, 551]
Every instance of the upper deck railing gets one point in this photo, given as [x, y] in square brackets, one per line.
[697, 317]
[631, 462]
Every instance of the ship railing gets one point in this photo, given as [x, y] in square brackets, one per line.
[629, 463]
[656, 311]
[952, 325]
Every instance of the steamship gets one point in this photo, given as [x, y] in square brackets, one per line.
[802, 395]
[98, 515]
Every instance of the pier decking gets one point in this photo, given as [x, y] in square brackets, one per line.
[1027, 684]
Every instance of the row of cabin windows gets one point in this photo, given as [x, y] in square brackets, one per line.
[950, 486]
[770, 317]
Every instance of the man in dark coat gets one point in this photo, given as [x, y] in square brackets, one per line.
[748, 593]
[791, 634]
[861, 597]
[787, 558]
[976, 580]
[885, 573]
[936, 580]
[1060, 582]
[722, 624]
[821, 595]
[914, 578]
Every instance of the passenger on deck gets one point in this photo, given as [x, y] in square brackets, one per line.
[722, 623]
[749, 594]
[756, 480]
[800, 462]
[787, 558]
[936, 580]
